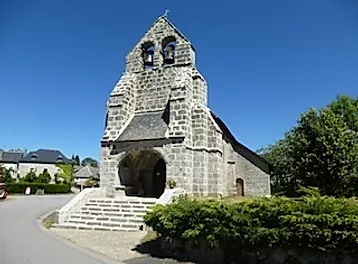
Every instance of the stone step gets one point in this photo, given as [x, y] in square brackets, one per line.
[84, 218]
[104, 227]
[112, 213]
[114, 209]
[124, 201]
[115, 205]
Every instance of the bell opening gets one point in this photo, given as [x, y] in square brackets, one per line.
[148, 55]
[169, 45]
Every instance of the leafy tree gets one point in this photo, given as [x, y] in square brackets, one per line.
[44, 177]
[347, 108]
[89, 161]
[7, 174]
[30, 176]
[320, 151]
[66, 173]
[76, 160]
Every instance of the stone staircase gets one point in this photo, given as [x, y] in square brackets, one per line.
[90, 210]
[112, 214]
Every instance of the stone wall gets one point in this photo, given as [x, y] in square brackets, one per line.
[197, 155]
[256, 181]
[201, 253]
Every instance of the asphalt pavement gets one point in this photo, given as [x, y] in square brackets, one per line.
[23, 241]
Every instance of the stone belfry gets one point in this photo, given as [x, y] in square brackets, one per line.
[159, 128]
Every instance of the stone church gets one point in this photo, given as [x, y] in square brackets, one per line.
[159, 130]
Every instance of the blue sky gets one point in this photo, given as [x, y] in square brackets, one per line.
[266, 62]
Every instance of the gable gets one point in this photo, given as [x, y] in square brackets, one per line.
[161, 29]
[87, 171]
[248, 154]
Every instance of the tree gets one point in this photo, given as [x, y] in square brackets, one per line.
[320, 151]
[66, 173]
[7, 174]
[347, 108]
[89, 161]
[44, 177]
[30, 176]
[76, 160]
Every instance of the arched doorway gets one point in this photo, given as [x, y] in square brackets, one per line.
[239, 187]
[143, 173]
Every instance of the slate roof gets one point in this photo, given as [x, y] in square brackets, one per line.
[11, 157]
[87, 171]
[77, 168]
[144, 127]
[47, 156]
[251, 156]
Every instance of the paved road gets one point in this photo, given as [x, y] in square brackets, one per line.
[23, 242]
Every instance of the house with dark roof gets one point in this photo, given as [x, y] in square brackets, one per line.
[83, 173]
[10, 160]
[40, 160]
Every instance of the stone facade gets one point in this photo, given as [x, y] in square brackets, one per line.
[160, 112]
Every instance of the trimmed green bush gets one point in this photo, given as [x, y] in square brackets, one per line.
[48, 188]
[312, 222]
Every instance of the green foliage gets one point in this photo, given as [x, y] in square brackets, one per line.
[89, 161]
[48, 188]
[320, 151]
[30, 177]
[66, 172]
[91, 181]
[172, 184]
[310, 222]
[7, 174]
[76, 160]
[44, 177]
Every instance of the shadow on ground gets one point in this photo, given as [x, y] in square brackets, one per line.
[154, 249]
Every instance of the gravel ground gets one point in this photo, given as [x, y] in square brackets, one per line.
[116, 245]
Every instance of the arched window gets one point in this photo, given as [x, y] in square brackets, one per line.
[169, 45]
[240, 187]
[148, 54]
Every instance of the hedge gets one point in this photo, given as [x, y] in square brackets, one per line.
[312, 222]
[48, 188]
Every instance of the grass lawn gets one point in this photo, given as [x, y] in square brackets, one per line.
[49, 221]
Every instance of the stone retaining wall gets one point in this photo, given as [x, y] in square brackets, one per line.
[201, 253]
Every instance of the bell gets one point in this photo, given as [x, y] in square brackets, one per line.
[169, 54]
[148, 58]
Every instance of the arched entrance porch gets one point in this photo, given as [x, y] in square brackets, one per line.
[143, 173]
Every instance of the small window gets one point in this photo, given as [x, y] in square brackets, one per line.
[33, 156]
[59, 158]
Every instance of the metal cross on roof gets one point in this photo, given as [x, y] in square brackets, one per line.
[166, 12]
